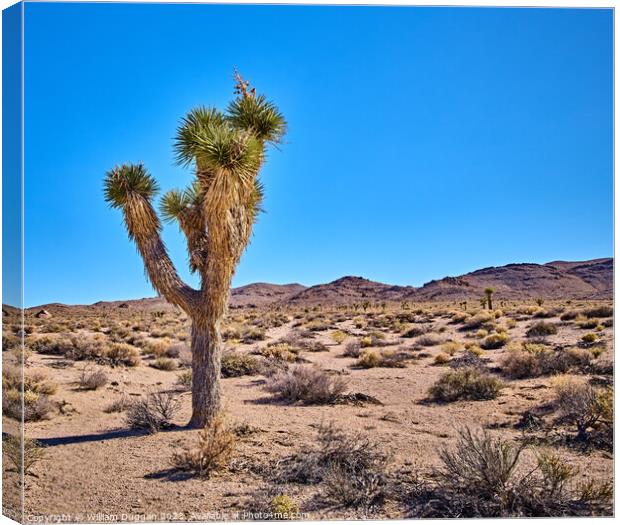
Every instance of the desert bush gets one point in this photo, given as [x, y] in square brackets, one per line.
[569, 315]
[164, 363]
[494, 341]
[352, 349]
[215, 446]
[441, 359]
[92, 379]
[26, 396]
[153, 412]
[306, 384]
[541, 329]
[428, 340]
[533, 360]
[385, 359]
[280, 352]
[237, 364]
[590, 409]
[465, 383]
[118, 405]
[483, 476]
[599, 311]
[184, 380]
[414, 331]
[589, 338]
[479, 320]
[350, 466]
[451, 347]
[23, 453]
[271, 503]
[338, 336]
[122, 354]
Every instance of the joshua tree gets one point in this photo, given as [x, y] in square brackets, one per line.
[215, 213]
[489, 293]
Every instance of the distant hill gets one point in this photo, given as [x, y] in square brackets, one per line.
[350, 289]
[555, 280]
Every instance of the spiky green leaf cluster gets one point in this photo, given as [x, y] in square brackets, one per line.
[259, 116]
[174, 203]
[126, 180]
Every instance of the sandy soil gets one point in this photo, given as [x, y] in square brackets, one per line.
[95, 469]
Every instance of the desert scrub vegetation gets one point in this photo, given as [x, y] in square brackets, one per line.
[384, 358]
[78, 348]
[465, 383]
[26, 397]
[23, 453]
[237, 364]
[212, 452]
[90, 379]
[589, 409]
[494, 341]
[307, 384]
[482, 320]
[486, 476]
[536, 359]
[280, 351]
[164, 363]
[350, 467]
[541, 329]
[153, 412]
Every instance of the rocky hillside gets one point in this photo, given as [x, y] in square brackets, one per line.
[555, 280]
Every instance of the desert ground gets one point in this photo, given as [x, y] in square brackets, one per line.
[299, 381]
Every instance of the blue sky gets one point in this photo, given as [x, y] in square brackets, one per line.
[423, 142]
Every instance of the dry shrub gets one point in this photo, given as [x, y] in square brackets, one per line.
[352, 349]
[350, 466]
[428, 340]
[26, 396]
[153, 412]
[541, 329]
[237, 364]
[599, 311]
[165, 364]
[384, 359]
[534, 360]
[306, 384]
[338, 336]
[451, 347]
[414, 331]
[280, 351]
[118, 405]
[92, 380]
[184, 380]
[590, 409]
[465, 383]
[483, 476]
[22, 453]
[494, 341]
[123, 354]
[479, 320]
[441, 359]
[211, 453]
[271, 503]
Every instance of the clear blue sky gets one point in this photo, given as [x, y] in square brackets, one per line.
[423, 142]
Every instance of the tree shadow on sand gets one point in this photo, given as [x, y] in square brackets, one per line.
[122, 433]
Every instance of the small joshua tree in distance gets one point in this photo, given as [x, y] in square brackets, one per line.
[489, 293]
[216, 214]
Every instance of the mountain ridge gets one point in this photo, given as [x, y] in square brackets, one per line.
[591, 279]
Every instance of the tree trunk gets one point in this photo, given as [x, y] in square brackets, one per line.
[206, 363]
